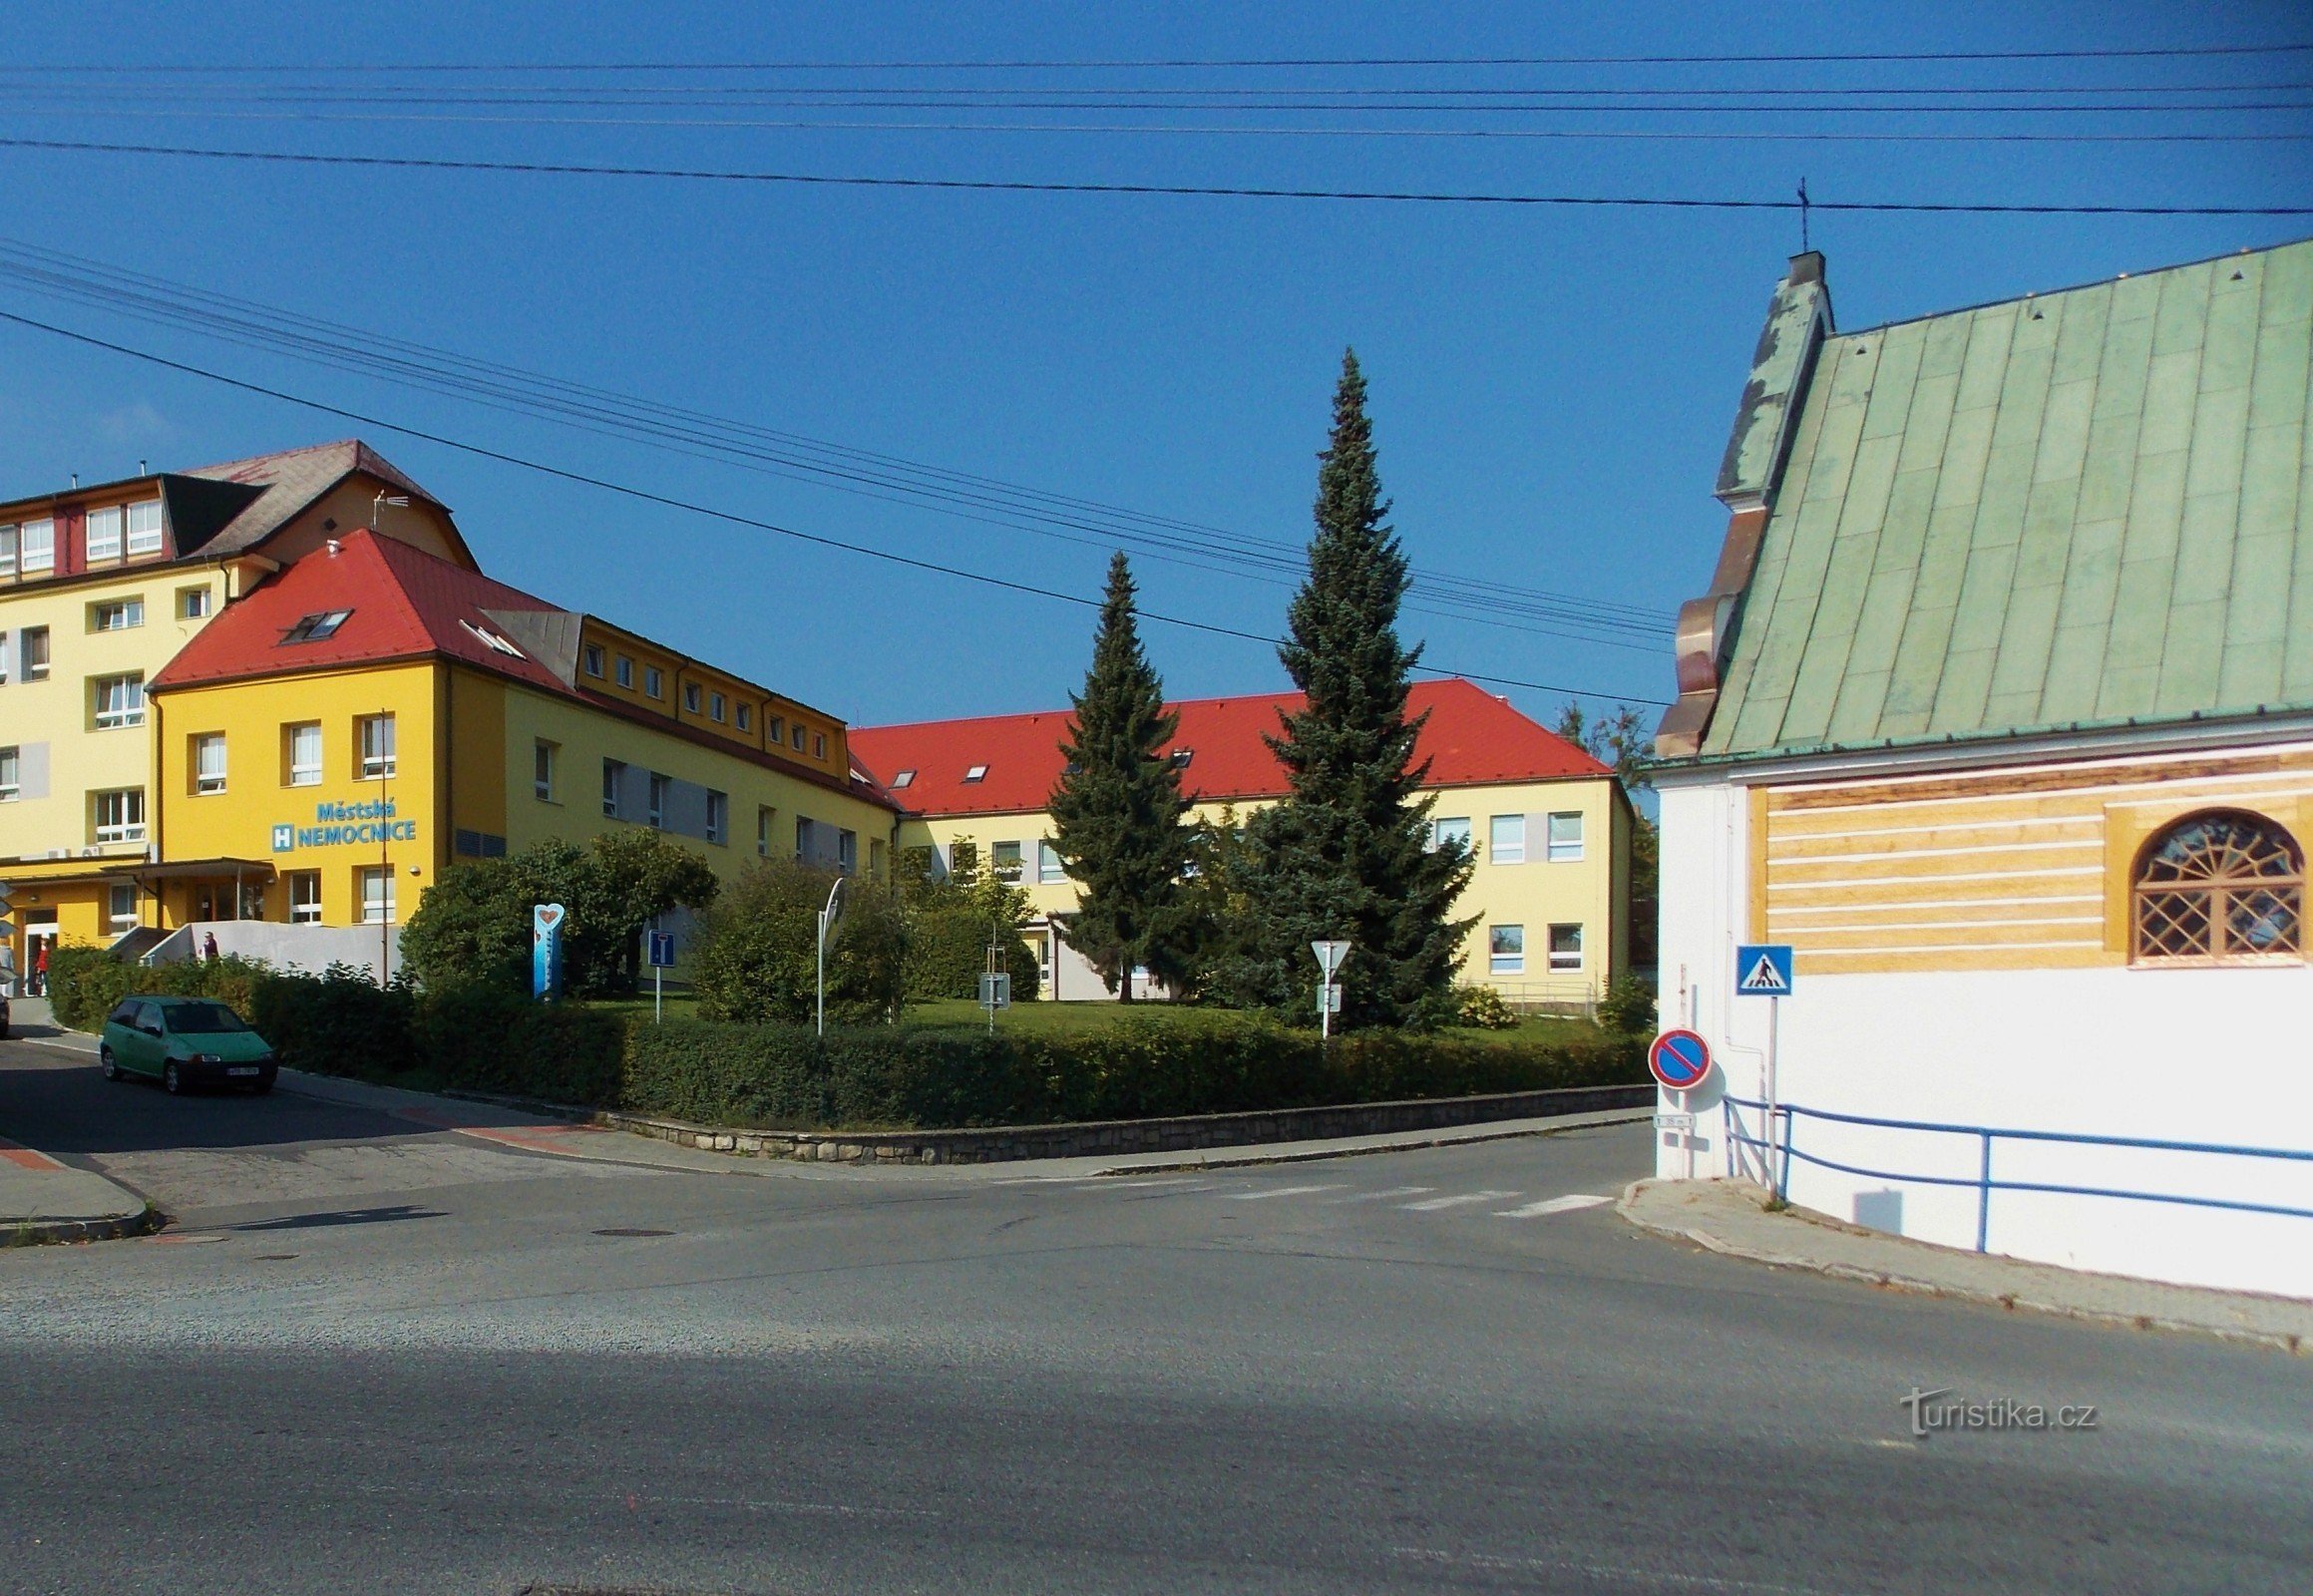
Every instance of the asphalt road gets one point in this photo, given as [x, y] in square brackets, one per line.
[1417, 1372]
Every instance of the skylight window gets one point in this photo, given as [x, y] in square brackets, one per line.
[901, 779]
[493, 640]
[1182, 756]
[314, 627]
[976, 773]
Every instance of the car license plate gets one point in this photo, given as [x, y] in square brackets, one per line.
[242, 1069]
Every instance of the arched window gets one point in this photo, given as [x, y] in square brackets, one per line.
[2220, 885]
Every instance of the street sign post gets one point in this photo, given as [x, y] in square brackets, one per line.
[1330, 956]
[1679, 1061]
[546, 950]
[661, 960]
[1763, 970]
[827, 919]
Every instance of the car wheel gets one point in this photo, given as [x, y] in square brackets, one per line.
[111, 1066]
[171, 1080]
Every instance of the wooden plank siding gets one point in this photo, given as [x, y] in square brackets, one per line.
[2020, 868]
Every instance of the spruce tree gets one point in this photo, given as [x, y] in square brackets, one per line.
[1118, 808]
[1348, 854]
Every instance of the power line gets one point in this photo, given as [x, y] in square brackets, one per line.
[733, 518]
[1022, 185]
[700, 435]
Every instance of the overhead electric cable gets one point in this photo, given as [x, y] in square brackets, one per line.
[1022, 185]
[645, 495]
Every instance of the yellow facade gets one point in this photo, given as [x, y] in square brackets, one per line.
[467, 783]
[2027, 868]
[1588, 889]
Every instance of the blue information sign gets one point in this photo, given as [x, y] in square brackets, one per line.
[1763, 970]
[545, 949]
[662, 949]
[1679, 1059]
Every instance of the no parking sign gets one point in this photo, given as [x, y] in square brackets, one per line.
[1679, 1059]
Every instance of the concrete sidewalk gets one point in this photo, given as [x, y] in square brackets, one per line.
[44, 1200]
[1730, 1217]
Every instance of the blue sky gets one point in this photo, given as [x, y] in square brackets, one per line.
[1551, 389]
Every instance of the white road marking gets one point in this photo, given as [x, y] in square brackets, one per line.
[1132, 1185]
[1554, 1205]
[1436, 1203]
[1281, 1191]
[1377, 1196]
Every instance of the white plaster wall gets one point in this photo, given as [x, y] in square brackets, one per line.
[307, 949]
[2204, 1055]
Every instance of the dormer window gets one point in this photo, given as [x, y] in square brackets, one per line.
[104, 533]
[976, 773]
[901, 779]
[145, 527]
[314, 627]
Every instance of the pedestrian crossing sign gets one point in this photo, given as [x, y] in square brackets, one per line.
[1763, 970]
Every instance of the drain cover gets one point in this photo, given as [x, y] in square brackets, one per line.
[633, 1230]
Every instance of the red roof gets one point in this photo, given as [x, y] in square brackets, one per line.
[1472, 738]
[402, 602]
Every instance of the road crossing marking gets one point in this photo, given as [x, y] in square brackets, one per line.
[1554, 1205]
[1296, 1191]
[1377, 1196]
[1433, 1205]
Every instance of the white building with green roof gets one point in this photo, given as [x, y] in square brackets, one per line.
[1999, 711]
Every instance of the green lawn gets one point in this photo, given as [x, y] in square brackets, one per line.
[1046, 1019]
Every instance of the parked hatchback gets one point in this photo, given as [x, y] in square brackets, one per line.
[184, 1043]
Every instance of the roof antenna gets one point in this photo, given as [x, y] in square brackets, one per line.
[398, 499]
[1804, 248]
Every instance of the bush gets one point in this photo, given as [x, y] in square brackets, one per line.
[85, 983]
[1483, 1009]
[499, 1042]
[947, 953]
[1628, 1007]
[756, 957]
[339, 1022]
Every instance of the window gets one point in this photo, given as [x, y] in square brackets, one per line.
[145, 527]
[37, 546]
[123, 906]
[1455, 831]
[542, 771]
[718, 817]
[121, 815]
[191, 603]
[377, 746]
[1566, 839]
[493, 642]
[117, 614]
[1004, 861]
[209, 762]
[1049, 869]
[1565, 946]
[976, 773]
[305, 897]
[104, 534]
[613, 777]
[1182, 756]
[305, 739]
[776, 730]
[594, 658]
[120, 701]
[32, 653]
[715, 706]
[795, 736]
[654, 682]
[818, 745]
[805, 838]
[317, 626]
[1506, 949]
[2219, 886]
[8, 550]
[659, 788]
[625, 671]
[763, 830]
[690, 696]
[746, 717]
[1506, 839]
[847, 851]
[376, 894]
[11, 776]
[901, 779]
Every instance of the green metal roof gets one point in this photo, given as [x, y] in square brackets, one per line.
[2092, 506]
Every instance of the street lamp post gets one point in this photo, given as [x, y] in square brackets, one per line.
[827, 918]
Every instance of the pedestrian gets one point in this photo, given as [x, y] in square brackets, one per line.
[40, 971]
[208, 946]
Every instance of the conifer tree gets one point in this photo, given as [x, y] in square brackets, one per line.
[1348, 854]
[1118, 809]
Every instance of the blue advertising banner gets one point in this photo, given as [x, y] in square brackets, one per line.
[546, 950]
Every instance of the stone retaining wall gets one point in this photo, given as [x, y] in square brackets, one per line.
[1115, 1136]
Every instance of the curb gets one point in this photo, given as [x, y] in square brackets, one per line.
[1889, 1280]
[63, 1232]
[1414, 1144]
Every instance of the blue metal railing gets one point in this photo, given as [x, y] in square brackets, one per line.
[1776, 1155]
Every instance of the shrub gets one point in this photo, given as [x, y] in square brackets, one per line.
[87, 983]
[339, 1022]
[756, 957]
[1483, 1009]
[1628, 1007]
[492, 1040]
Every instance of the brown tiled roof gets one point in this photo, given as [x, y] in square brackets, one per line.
[292, 480]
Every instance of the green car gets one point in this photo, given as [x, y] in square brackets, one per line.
[184, 1043]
